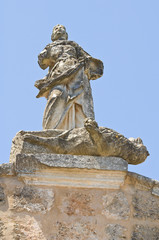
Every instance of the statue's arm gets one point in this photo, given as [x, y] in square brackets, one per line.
[81, 54]
[44, 57]
[93, 67]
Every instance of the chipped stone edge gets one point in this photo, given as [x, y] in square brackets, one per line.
[69, 161]
[143, 183]
[7, 169]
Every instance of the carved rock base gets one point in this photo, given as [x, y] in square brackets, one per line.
[90, 140]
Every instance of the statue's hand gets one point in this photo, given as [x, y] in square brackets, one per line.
[90, 124]
[44, 54]
[43, 59]
[87, 60]
[93, 68]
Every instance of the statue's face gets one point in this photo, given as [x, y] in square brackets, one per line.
[59, 33]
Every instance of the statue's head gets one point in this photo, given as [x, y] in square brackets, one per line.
[59, 33]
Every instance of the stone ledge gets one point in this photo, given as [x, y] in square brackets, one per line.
[109, 172]
[71, 170]
[31, 162]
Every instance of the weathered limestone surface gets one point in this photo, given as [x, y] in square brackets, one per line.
[71, 170]
[25, 227]
[116, 206]
[115, 231]
[67, 84]
[51, 200]
[2, 230]
[31, 199]
[6, 169]
[75, 231]
[29, 162]
[145, 205]
[2, 196]
[145, 232]
[90, 140]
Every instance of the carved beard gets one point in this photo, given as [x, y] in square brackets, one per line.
[59, 36]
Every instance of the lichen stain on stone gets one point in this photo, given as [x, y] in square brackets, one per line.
[116, 206]
[78, 204]
[32, 199]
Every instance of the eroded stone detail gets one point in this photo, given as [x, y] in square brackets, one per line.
[67, 84]
[32, 199]
[155, 190]
[27, 229]
[116, 206]
[30, 163]
[2, 228]
[75, 231]
[6, 169]
[2, 196]
[145, 232]
[140, 182]
[145, 205]
[116, 232]
[78, 204]
[90, 140]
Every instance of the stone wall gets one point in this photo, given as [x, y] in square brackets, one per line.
[39, 200]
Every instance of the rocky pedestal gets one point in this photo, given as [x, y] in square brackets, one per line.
[90, 140]
[56, 196]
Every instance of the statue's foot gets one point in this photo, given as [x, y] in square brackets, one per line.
[90, 124]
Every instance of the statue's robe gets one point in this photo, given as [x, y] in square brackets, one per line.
[67, 86]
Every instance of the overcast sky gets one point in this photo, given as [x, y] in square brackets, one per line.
[123, 34]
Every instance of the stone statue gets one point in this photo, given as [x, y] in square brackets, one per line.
[67, 86]
[68, 119]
